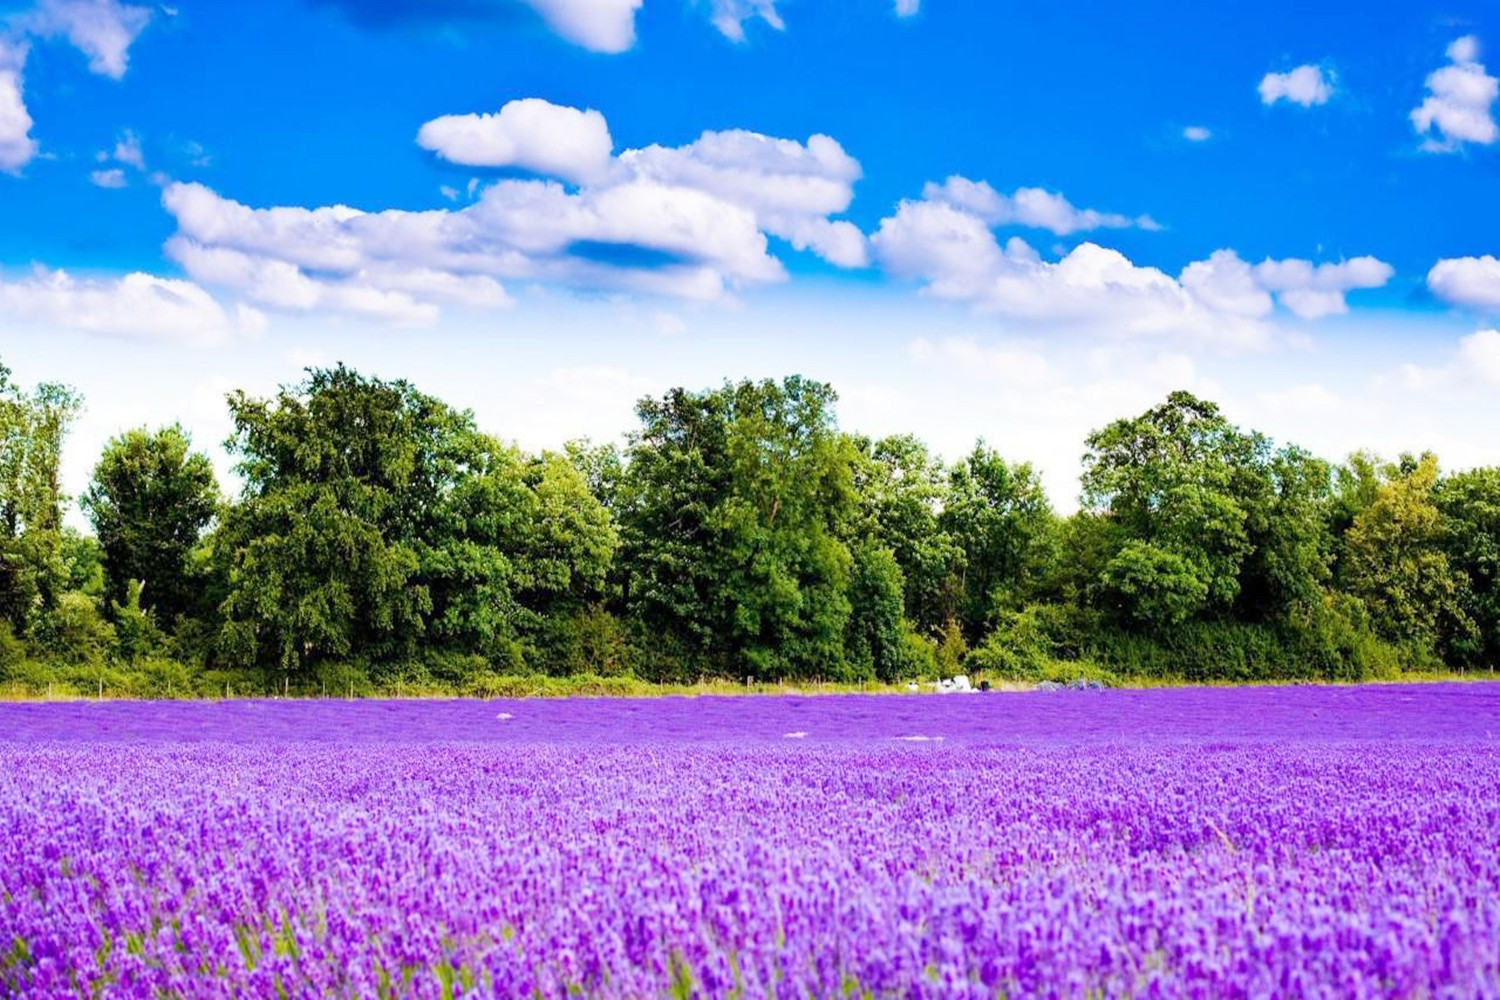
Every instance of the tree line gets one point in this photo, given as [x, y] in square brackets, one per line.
[381, 535]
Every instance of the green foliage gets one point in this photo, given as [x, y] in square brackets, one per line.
[1000, 524]
[732, 511]
[150, 499]
[950, 648]
[1154, 586]
[12, 653]
[1470, 504]
[901, 491]
[382, 543]
[875, 643]
[32, 429]
[1180, 481]
[1021, 646]
[135, 632]
[1396, 563]
[74, 632]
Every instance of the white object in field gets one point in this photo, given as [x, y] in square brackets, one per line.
[794, 736]
[958, 685]
[504, 715]
[912, 686]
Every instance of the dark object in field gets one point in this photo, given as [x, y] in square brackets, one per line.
[984, 685]
[1079, 684]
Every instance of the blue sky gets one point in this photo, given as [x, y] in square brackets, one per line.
[1007, 219]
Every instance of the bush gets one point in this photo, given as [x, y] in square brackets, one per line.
[1019, 648]
[12, 654]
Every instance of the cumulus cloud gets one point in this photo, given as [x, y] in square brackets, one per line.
[1459, 101]
[907, 8]
[532, 134]
[1305, 85]
[1197, 133]
[688, 221]
[599, 25]
[111, 178]
[17, 147]
[103, 30]
[1033, 207]
[1313, 291]
[953, 251]
[791, 187]
[137, 306]
[1467, 281]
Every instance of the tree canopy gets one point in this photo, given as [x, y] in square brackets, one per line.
[378, 532]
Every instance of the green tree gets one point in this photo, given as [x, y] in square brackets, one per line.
[902, 489]
[150, 499]
[1289, 566]
[999, 521]
[1181, 483]
[733, 507]
[33, 426]
[1470, 504]
[349, 536]
[1397, 565]
[876, 644]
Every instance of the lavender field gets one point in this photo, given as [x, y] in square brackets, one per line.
[1340, 842]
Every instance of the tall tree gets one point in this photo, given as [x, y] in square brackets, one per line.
[1470, 503]
[875, 642]
[1397, 565]
[1289, 565]
[1180, 482]
[33, 427]
[998, 519]
[902, 489]
[733, 508]
[150, 499]
[345, 526]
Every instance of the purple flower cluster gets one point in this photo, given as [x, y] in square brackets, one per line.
[1219, 843]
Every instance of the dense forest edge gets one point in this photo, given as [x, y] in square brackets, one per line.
[381, 543]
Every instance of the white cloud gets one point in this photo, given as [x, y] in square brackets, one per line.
[689, 221]
[1480, 354]
[1467, 281]
[112, 178]
[137, 306]
[1458, 106]
[1475, 365]
[103, 30]
[599, 25]
[1305, 85]
[533, 134]
[128, 151]
[952, 250]
[1197, 133]
[1227, 284]
[1313, 291]
[791, 187]
[729, 16]
[17, 147]
[1033, 207]
[907, 8]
